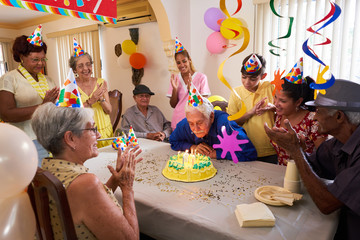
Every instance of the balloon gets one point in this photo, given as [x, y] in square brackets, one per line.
[18, 160]
[231, 28]
[216, 43]
[137, 60]
[128, 47]
[123, 61]
[17, 219]
[211, 18]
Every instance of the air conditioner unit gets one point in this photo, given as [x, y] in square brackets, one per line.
[133, 13]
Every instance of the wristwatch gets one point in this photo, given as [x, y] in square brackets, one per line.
[102, 100]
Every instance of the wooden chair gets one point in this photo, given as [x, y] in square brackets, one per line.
[116, 103]
[43, 185]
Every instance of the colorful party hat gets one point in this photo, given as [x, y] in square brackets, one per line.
[296, 73]
[253, 64]
[69, 94]
[132, 137]
[36, 37]
[178, 46]
[119, 142]
[195, 98]
[78, 51]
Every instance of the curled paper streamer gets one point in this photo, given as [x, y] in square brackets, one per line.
[287, 35]
[334, 13]
[246, 40]
[239, 114]
[320, 80]
[229, 143]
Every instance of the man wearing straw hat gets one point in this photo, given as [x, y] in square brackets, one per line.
[337, 160]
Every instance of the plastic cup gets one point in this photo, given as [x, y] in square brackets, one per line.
[292, 172]
[292, 186]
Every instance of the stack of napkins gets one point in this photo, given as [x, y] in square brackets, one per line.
[254, 215]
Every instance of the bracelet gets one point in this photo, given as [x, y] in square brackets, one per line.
[103, 100]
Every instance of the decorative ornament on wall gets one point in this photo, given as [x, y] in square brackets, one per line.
[132, 58]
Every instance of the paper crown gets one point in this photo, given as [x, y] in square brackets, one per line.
[178, 46]
[69, 94]
[296, 73]
[253, 64]
[78, 51]
[124, 141]
[195, 98]
[36, 37]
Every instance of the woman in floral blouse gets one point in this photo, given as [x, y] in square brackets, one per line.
[290, 104]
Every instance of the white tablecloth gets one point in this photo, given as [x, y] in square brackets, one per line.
[205, 210]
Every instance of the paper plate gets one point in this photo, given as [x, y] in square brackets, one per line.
[263, 194]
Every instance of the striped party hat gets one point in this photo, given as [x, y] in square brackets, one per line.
[178, 46]
[36, 37]
[78, 51]
[69, 94]
[253, 64]
[195, 98]
[296, 73]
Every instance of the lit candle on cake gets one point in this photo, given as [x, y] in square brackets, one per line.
[186, 155]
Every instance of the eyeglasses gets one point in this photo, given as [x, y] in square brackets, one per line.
[81, 66]
[143, 95]
[94, 129]
[37, 60]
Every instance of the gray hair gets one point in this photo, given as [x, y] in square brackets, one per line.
[206, 108]
[73, 60]
[353, 117]
[50, 124]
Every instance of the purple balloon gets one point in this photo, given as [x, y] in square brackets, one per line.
[211, 16]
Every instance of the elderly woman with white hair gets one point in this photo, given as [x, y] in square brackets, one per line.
[71, 136]
[199, 130]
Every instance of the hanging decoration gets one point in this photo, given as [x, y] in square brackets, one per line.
[246, 37]
[277, 81]
[321, 82]
[287, 35]
[230, 143]
[100, 10]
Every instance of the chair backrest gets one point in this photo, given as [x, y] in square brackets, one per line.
[43, 185]
[116, 103]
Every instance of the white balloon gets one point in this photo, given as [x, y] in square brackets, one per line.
[123, 61]
[18, 160]
[17, 218]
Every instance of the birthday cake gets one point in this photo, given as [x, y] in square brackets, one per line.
[187, 167]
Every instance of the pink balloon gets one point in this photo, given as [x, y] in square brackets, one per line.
[216, 43]
[17, 218]
[211, 17]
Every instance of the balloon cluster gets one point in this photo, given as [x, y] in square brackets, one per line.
[137, 60]
[18, 164]
[226, 28]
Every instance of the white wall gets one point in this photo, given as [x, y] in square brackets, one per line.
[186, 22]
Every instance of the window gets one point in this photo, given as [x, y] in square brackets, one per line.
[6, 60]
[342, 55]
[87, 37]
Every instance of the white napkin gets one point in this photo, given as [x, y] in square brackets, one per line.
[254, 215]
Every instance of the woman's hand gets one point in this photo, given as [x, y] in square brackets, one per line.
[125, 167]
[51, 95]
[174, 82]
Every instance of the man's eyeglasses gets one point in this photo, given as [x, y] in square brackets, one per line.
[94, 129]
[37, 60]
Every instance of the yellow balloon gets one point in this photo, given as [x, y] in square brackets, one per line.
[128, 47]
[231, 28]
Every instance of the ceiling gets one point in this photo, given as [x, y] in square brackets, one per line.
[16, 18]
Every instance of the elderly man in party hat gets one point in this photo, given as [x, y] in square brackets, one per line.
[204, 127]
[337, 160]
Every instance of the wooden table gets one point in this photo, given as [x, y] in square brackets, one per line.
[205, 210]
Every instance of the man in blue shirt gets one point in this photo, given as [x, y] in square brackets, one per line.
[199, 131]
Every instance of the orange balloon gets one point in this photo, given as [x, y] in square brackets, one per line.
[137, 60]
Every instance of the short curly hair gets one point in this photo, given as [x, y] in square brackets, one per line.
[22, 47]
